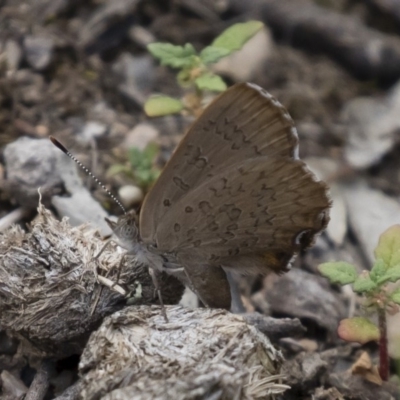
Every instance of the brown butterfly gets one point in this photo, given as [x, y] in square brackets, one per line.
[233, 197]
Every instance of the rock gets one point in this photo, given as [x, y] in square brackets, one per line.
[31, 164]
[130, 195]
[141, 135]
[255, 52]
[13, 53]
[372, 128]
[305, 296]
[370, 212]
[38, 51]
[92, 130]
[324, 169]
[135, 71]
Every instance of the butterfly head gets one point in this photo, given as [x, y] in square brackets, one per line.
[125, 229]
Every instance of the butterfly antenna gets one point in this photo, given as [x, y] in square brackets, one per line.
[65, 151]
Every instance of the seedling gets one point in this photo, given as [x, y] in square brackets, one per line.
[378, 296]
[141, 169]
[194, 68]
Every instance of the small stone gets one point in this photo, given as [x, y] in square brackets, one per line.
[256, 52]
[141, 135]
[13, 54]
[130, 195]
[92, 130]
[42, 130]
[39, 51]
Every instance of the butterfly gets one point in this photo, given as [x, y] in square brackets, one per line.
[234, 196]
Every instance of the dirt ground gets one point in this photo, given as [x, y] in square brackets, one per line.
[80, 71]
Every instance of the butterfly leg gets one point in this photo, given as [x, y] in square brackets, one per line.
[237, 306]
[106, 244]
[156, 284]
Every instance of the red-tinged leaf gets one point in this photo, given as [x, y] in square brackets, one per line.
[358, 329]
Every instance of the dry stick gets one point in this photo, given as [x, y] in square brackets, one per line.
[41, 382]
[383, 345]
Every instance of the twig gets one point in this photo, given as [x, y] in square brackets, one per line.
[41, 382]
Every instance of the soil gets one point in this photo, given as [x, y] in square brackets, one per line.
[65, 64]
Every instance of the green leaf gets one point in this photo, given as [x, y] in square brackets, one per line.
[117, 169]
[339, 272]
[211, 54]
[184, 77]
[364, 283]
[388, 248]
[174, 56]
[151, 151]
[160, 105]
[146, 178]
[237, 35]
[395, 296]
[378, 270]
[142, 164]
[210, 82]
[358, 329]
[391, 275]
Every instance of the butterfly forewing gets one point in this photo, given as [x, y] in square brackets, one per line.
[244, 122]
[234, 193]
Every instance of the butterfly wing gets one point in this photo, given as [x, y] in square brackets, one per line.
[244, 122]
[234, 194]
[267, 207]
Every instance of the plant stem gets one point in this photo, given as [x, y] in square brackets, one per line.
[383, 346]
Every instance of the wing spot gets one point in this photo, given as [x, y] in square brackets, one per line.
[235, 146]
[177, 227]
[179, 182]
[188, 209]
[213, 226]
[231, 211]
[205, 207]
[234, 252]
[213, 258]
[232, 227]
[256, 151]
[166, 202]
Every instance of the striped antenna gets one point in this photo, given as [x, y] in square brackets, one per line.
[65, 151]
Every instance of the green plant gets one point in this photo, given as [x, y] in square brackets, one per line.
[141, 166]
[194, 68]
[378, 296]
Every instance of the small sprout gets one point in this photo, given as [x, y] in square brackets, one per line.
[160, 105]
[141, 169]
[237, 35]
[211, 54]
[378, 270]
[395, 296]
[364, 283]
[194, 68]
[377, 295]
[173, 56]
[358, 329]
[210, 82]
[388, 248]
[339, 272]
[391, 275]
